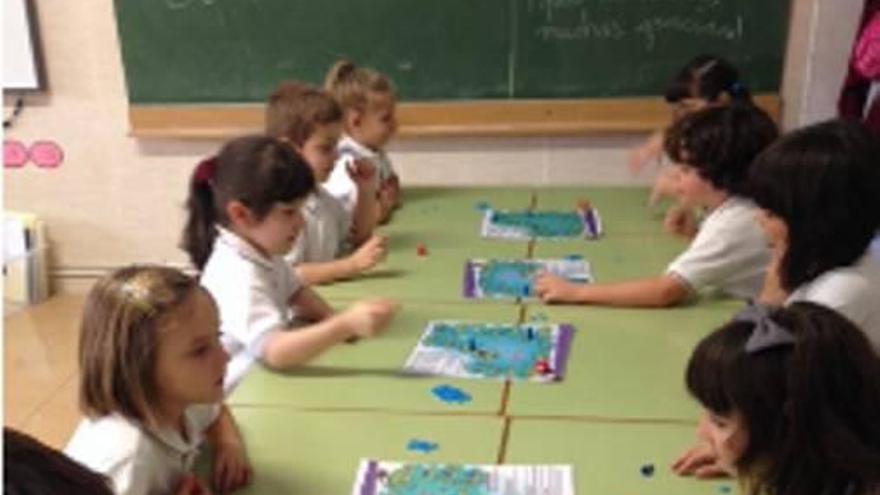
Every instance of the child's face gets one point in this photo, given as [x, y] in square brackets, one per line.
[191, 363]
[774, 229]
[378, 122]
[692, 188]
[726, 434]
[276, 233]
[319, 150]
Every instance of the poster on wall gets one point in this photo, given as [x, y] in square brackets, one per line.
[22, 66]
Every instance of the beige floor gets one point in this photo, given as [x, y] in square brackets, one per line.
[40, 370]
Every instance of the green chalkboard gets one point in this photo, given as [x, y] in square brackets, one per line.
[215, 51]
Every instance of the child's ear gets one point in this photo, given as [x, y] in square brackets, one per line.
[239, 214]
[289, 143]
[354, 119]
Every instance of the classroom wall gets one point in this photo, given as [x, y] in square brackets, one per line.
[117, 200]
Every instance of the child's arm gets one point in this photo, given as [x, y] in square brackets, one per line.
[772, 292]
[230, 470]
[393, 185]
[681, 221]
[365, 257]
[190, 485]
[286, 349]
[385, 198]
[366, 210]
[662, 291]
[310, 306]
[646, 152]
[700, 460]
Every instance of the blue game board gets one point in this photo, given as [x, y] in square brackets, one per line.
[512, 279]
[535, 351]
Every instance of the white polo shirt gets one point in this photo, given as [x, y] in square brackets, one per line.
[729, 252]
[141, 461]
[340, 185]
[325, 234]
[253, 294]
[853, 291]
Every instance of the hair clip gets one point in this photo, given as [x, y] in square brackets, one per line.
[767, 334]
[137, 291]
[205, 170]
[736, 88]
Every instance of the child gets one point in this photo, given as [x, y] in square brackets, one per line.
[819, 191]
[29, 467]
[713, 149]
[706, 80]
[368, 103]
[244, 215]
[791, 399]
[151, 382]
[311, 121]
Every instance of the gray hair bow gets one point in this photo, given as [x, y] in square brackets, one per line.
[767, 333]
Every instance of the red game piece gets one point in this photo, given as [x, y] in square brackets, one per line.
[421, 250]
[542, 367]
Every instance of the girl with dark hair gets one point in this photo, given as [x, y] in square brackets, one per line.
[244, 216]
[819, 193]
[791, 399]
[704, 81]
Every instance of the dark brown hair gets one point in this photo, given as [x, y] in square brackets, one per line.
[708, 77]
[295, 110]
[31, 468]
[119, 337]
[721, 142]
[823, 182]
[810, 407]
[258, 171]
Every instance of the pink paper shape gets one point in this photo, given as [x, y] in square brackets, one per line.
[46, 154]
[15, 154]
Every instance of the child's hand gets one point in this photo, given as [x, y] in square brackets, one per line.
[550, 288]
[368, 318]
[665, 185]
[680, 221]
[190, 485]
[393, 186]
[645, 153]
[370, 253]
[386, 197]
[231, 469]
[700, 461]
[363, 173]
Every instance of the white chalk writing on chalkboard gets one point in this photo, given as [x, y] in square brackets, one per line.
[182, 4]
[650, 28]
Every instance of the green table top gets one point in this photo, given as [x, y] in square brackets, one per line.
[608, 457]
[436, 277]
[367, 375]
[614, 259]
[443, 217]
[623, 210]
[621, 405]
[318, 453]
[624, 363]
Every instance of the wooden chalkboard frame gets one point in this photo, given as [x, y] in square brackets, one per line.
[458, 118]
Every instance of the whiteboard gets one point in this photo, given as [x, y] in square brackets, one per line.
[20, 70]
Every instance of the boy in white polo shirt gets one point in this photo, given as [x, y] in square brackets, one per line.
[712, 149]
[311, 121]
